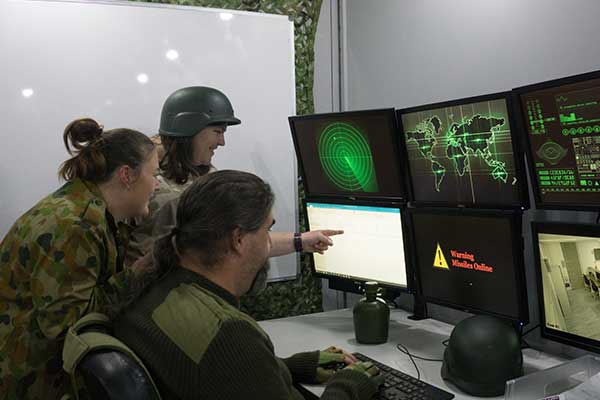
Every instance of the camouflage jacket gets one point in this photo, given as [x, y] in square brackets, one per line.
[59, 260]
[159, 221]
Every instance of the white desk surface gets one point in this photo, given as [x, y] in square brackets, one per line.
[423, 338]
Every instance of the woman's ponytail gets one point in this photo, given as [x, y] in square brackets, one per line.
[96, 154]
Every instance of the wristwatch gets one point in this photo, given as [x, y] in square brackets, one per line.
[298, 241]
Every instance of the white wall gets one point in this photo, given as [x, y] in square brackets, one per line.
[585, 251]
[553, 253]
[411, 52]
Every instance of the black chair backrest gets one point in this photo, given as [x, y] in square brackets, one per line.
[111, 374]
[586, 281]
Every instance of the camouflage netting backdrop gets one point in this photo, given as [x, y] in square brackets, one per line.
[303, 295]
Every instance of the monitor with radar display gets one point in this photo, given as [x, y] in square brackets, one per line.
[561, 119]
[464, 152]
[371, 247]
[471, 260]
[568, 279]
[349, 154]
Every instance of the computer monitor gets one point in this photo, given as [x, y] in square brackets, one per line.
[349, 154]
[371, 247]
[471, 260]
[561, 119]
[464, 152]
[570, 314]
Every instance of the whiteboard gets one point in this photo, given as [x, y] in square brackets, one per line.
[117, 62]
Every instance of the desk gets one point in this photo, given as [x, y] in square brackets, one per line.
[423, 338]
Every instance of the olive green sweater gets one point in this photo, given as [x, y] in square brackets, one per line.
[197, 344]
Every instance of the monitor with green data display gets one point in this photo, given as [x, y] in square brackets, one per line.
[561, 121]
[464, 153]
[349, 154]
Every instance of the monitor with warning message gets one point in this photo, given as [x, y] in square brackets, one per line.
[471, 260]
[561, 119]
[464, 152]
[349, 154]
[371, 247]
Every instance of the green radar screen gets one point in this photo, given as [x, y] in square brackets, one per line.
[346, 158]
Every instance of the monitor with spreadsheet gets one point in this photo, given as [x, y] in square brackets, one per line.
[371, 247]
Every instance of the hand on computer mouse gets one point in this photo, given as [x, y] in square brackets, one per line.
[332, 359]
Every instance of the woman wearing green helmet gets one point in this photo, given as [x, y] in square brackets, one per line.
[192, 126]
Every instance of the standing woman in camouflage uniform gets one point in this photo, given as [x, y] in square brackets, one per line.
[64, 257]
[192, 126]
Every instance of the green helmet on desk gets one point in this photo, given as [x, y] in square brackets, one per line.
[189, 110]
[482, 354]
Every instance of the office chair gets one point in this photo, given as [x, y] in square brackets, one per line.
[107, 368]
[594, 288]
[586, 282]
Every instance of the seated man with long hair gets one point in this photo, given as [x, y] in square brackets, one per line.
[187, 327]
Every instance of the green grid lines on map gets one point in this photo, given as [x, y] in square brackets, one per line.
[472, 142]
[346, 158]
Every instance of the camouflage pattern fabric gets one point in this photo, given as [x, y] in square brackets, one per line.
[160, 220]
[58, 261]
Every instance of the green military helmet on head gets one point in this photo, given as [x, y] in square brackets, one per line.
[189, 110]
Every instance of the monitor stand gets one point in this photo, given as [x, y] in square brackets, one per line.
[419, 308]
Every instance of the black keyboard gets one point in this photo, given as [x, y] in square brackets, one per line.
[400, 386]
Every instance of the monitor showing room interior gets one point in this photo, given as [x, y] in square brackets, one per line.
[462, 152]
[568, 276]
[349, 154]
[371, 247]
[472, 261]
[562, 123]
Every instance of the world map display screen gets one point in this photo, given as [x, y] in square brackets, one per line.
[468, 261]
[461, 153]
[562, 121]
[351, 154]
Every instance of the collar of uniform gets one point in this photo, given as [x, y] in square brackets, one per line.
[192, 277]
[96, 208]
[86, 198]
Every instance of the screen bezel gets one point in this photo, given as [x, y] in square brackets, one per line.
[559, 228]
[518, 155]
[390, 114]
[523, 90]
[359, 282]
[515, 220]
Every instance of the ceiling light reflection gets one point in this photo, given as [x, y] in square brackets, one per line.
[226, 16]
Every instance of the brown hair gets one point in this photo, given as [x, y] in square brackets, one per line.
[208, 212]
[177, 164]
[97, 154]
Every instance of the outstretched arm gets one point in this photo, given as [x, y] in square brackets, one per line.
[312, 241]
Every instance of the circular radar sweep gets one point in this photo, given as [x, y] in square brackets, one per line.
[551, 152]
[346, 158]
